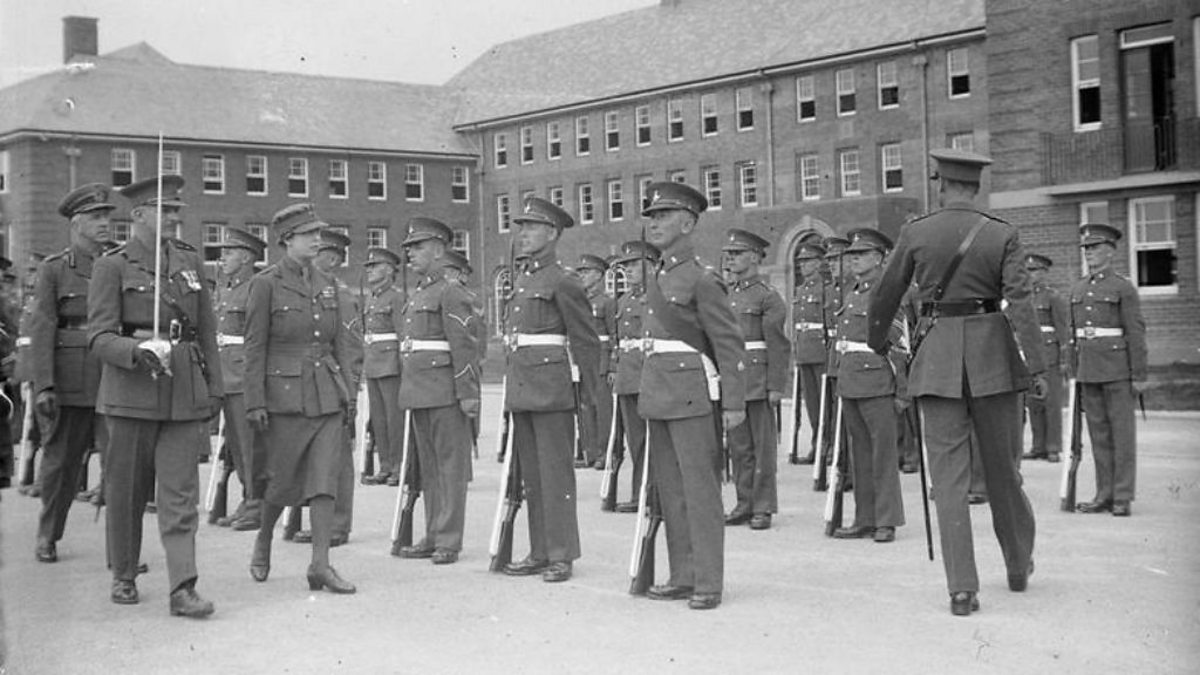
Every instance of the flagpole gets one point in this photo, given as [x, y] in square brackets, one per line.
[158, 242]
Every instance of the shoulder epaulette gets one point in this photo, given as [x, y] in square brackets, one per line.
[57, 256]
[181, 244]
[119, 248]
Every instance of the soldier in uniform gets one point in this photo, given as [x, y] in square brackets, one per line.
[548, 328]
[457, 270]
[1110, 365]
[1045, 417]
[23, 373]
[761, 315]
[595, 420]
[65, 376]
[384, 305]
[967, 373]
[808, 340]
[300, 365]
[239, 251]
[873, 389]
[158, 391]
[693, 341]
[835, 295]
[440, 389]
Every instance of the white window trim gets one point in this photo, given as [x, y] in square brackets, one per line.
[742, 167]
[133, 177]
[800, 100]
[178, 162]
[591, 201]
[883, 167]
[292, 176]
[642, 183]
[842, 154]
[419, 182]
[562, 196]
[1196, 70]
[615, 116]
[879, 85]
[264, 175]
[501, 226]
[705, 172]
[344, 179]
[738, 109]
[715, 115]
[1076, 84]
[838, 92]
[4, 171]
[1160, 40]
[804, 197]
[950, 74]
[587, 133]
[382, 231]
[466, 185]
[522, 134]
[382, 180]
[638, 125]
[220, 162]
[1133, 247]
[551, 140]
[499, 144]
[620, 188]
[682, 128]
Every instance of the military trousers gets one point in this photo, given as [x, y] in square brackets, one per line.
[248, 451]
[635, 440]
[1112, 427]
[947, 424]
[594, 420]
[871, 425]
[62, 462]
[139, 452]
[754, 447]
[810, 396]
[443, 440]
[683, 463]
[387, 421]
[1045, 416]
[542, 441]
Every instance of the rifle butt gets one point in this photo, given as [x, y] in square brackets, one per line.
[503, 555]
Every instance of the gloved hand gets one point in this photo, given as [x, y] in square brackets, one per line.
[1038, 388]
[257, 419]
[148, 361]
[46, 404]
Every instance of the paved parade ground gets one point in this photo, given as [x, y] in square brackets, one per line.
[1110, 595]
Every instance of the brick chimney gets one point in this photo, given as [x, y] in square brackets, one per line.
[80, 37]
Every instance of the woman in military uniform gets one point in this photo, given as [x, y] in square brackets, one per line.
[299, 365]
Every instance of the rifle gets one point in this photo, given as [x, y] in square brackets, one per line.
[608, 484]
[794, 455]
[641, 563]
[25, 465]
[507, 504]
[833, 498]
[820, 472]
[215, 500]
[1070, 471]
[406, 494]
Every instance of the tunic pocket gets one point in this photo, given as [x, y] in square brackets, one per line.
[283, 390]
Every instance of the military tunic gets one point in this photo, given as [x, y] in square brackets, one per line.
[597, 418]
[761, 315]
[1045, 416]
[674, 397]
[552, 308]
[381, 368]
[441, 369]
[1109, 353]
[627, 364]
[157, 425]
[808, 343]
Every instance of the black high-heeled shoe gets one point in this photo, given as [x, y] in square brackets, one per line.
[260, 561]
[329, 579]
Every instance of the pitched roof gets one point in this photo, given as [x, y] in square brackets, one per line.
[688, 41]
[136, 91]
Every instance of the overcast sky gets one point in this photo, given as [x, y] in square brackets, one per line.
[420, 41]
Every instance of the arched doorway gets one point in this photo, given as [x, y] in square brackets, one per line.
[781, 270]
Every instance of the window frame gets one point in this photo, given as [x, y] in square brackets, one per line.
[176, 158]
[675, 110]
[377, 237]
[805, 196]
[747, 191]
[885, 167]
[344, 179]
[583, 136]
[1079, 84]
[712, 188]
[503, 213]
[500, 150]
[587, 204]
[709, 113]
[951, 73]
[955, 141]
[1136, 245]
[841, 93]
[616, 202]
[294, 176]
[262, 231]
[211, 245]
[612, 130]
[641, 122]
[643, 182]
[843, 174]
[380, 179]
[553, 141]
[4, 171]
[893, 83]
[131, 154]
[419, 183]
[742, 105]
[525, 138]
[209, 162]
[463, 236]
[465, 183]
[557, 196]
[801, 98]
[262, 175]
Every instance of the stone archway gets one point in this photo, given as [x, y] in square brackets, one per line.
[780, 271]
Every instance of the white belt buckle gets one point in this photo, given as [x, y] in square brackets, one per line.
[406, 345]
[1089, 332]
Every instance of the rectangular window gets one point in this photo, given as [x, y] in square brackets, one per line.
[643, 183]
[377, 180]
[377, 237]
[339, 181]
[745, 108]
[846, 98]
[958, 72]
[259, 230]
[810, 178]
[120, 231]
[1093, 212]
[678, 176]
[806, 99]
[503, 224]
[891, 167]
[553, 141]
[212, 242]
[500, 150]
[212, 173]
[612, 131]
[963, 141]
[1152, 244]
[616, 203]
[122, 167]
[641, 116]
[1085, 82]
[674, 120]
[709, 125]
[460, 183]
[587, 208]
[889, 85]
[712, 186]
[3, 171]
[256, 175]
[171, 163]
[297, 177]
[460, 240]
[414, 182]
[583, 137]
[556, 196]
[851, 179]
[527, 145]
[748, 183]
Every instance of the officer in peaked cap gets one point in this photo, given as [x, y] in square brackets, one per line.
[808, 340]
[439, 392]
[239, 251]
[158, 390]
[64, 374]
[548, 327]
[967, 372]
[594, 421]
[384, 305]
[685, 355]
[1054, 322]
[457, 262]
[753, 445]
[1110, 366]
[872, 390]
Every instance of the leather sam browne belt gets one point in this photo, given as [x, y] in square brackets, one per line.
[652, 346]
[809, 325]
[951, 308]
[225, 340]
[1092, 332]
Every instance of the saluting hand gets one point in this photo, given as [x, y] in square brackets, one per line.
[469, 406]
[257, 419]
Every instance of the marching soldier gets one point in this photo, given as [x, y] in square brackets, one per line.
[873, 389]
[808, 340]
[440, 388]
[65, 375]
[158, 391]
[761, 315]
[693, 341]
[595, 420]
[967, 373]
[1110, 366]
[300, 365]
[384, 304]
[548, 327]
[1045, 417]
[239, 251]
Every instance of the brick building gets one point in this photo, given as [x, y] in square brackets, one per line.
[1095, 117]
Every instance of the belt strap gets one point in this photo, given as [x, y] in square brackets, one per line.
[24, 341]
[1092, 332]
[809, 325]
[409, 345]
[517, 340]
[844, 346]
[661, 346]
[372, 338]
[950, 308]
[604, 338]
[630, 344]
[1047, 329]
[225, 340]
[756, 345]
